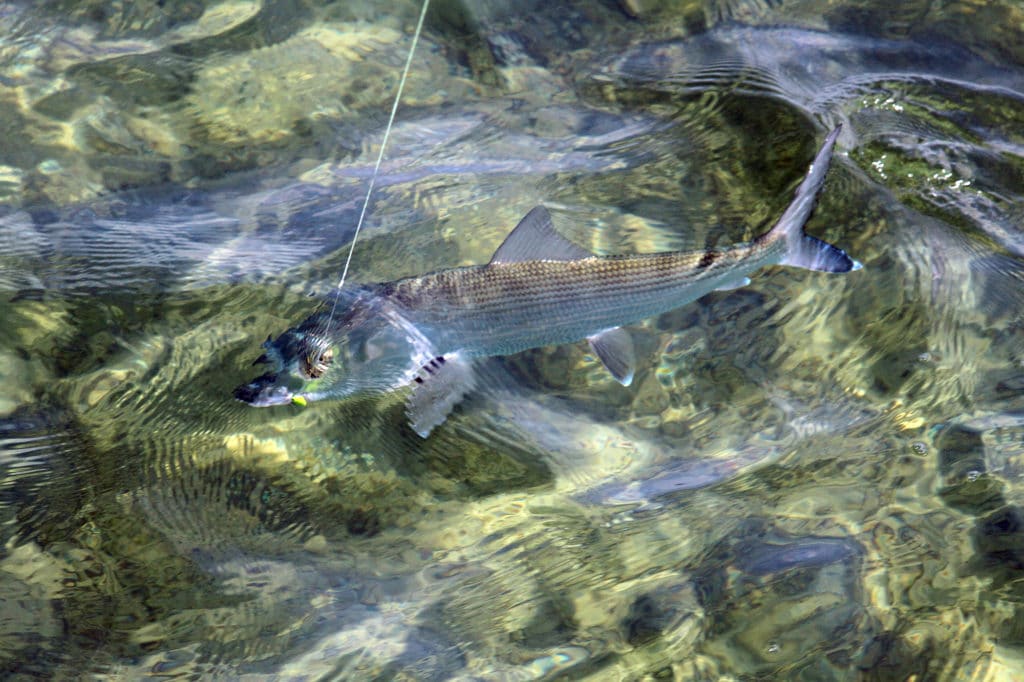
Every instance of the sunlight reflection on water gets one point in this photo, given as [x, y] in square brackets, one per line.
[809, 478]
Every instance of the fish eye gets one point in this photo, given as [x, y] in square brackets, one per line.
[315, 363]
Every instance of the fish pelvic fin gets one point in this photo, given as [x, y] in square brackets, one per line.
[801, 249]
[614, 347]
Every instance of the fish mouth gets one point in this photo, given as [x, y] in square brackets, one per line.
[263, 391]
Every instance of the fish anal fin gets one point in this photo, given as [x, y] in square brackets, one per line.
[733, 284]
[535, 238]
[436, 389]
[614, 347]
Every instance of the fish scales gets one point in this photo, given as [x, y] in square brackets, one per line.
[502, 308]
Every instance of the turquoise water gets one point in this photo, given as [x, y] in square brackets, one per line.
[812, 477]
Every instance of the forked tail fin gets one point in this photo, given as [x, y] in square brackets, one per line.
[802, 250]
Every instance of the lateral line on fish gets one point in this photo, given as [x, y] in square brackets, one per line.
[380, 154]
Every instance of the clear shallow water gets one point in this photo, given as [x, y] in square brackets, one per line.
[811, 478]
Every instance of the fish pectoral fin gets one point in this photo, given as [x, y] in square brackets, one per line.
[436, 389]
[615, 349]
[535, 238]
[733, 284]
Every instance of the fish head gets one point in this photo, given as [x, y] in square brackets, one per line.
[333, 353]
[298, 360]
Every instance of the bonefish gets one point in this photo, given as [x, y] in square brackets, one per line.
[538, 289]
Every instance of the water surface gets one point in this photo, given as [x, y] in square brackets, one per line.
[812, 477]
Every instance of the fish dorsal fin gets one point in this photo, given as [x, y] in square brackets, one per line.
[436, 389]
[614, 347]
[535, 238]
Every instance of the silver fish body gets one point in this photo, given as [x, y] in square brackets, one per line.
[539, 289]
[504, 308]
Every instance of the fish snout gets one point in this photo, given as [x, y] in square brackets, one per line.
[263, 391]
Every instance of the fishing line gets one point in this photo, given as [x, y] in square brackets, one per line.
[380, 155]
